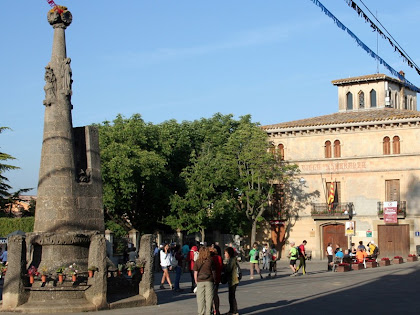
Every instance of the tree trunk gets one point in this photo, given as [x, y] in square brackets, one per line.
[253, 232]
[203, 234]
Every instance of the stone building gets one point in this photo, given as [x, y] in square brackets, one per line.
[369, 154]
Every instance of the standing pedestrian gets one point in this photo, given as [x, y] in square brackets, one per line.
[302, 257]
[293, 256]
[185, 251]
[178, 269]
[204, 275]
[330, 254]
[231, 272]
[218, 263]
[192, 257]
[266, 258]
[254, 256]
[165, 263]
[273, 260]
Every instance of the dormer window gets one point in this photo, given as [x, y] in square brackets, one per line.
[349, 98]
[372, 98]
[361, 99]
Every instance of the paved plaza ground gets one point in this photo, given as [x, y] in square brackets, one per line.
[382, 290]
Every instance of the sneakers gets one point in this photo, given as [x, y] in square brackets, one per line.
[171, 286]
[251, 278]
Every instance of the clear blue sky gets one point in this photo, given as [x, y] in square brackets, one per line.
[185, 60]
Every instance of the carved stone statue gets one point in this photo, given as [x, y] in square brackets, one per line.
[66, 74]
[50, 86]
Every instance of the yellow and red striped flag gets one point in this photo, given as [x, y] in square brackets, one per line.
[331, 194]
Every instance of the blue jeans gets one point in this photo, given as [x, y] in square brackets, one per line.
[265, 262]
[178, 271]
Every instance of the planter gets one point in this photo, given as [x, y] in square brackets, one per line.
[31, 279]
[90, 272]
[343, 268]
[412, 258]
[44, 278]
[371, 264]
[129, 273]
[384, 263]
[397, 261]
[357, 266]
[74, 278]
[60, 278]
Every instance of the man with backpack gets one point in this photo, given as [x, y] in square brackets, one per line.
[302, 257]
[373, 249]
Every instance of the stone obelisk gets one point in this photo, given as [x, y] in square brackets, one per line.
[69, 221]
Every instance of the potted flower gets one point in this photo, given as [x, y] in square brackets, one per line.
[371, 263]
[44, 273]
[91, 270]
[397, 260]
[384, 262]
[120, 269]
[32, 273]
[141, 267]
[412, 257]
[73, 270]
[130, 267]
[343, 267]
[60, 271]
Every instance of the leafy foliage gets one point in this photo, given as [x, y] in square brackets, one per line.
[9, 225]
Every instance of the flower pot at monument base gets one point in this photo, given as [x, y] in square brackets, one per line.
[129, 273]
[74, 278]
[142, 270]
[90, 272]
[60, 278]
[44, 278]
[31, 279]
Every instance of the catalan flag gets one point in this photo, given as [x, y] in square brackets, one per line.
[331, 195]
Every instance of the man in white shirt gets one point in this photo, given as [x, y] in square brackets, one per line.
[330, 254]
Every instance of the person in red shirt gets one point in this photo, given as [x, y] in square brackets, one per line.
[190, 263]
[302, 257]
[218, 263]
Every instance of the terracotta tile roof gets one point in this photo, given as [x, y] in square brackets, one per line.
[365, 78]
[376, 115]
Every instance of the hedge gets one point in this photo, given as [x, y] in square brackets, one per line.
[9, 225]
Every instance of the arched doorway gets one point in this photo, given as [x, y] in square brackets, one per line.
[335, 234]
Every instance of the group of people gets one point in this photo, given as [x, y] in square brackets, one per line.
[353, 254]
[207, 268]
[297, 253]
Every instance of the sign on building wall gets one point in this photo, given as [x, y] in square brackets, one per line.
[350, 228]
[390, 212]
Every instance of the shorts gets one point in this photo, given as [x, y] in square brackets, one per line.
[165, 267]
[293, 262]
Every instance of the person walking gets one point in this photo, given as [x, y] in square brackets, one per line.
[204, 275]
[254, 256]
[273, 260]
[231, 272]
[293, 256]
[330, 254]
[166, 264]
[302, 257]
[265, 254]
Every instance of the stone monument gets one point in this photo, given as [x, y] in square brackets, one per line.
[69, 225]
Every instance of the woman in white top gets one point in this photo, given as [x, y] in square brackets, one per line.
[165, 263]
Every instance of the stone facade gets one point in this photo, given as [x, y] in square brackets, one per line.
[365, 173]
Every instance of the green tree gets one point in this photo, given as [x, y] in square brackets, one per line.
[4, 186]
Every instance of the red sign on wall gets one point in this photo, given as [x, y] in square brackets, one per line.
[390, 212]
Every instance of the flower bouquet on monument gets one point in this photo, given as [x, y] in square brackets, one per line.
[60, 274]
[44, 273]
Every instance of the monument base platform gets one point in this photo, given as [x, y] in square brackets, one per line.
[59, 306]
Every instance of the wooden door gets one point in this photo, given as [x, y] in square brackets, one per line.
[392, 190]
[277, 237]
[394, 240]
[335, 234]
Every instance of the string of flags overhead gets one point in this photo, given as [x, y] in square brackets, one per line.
[365, 47]
[360, 12]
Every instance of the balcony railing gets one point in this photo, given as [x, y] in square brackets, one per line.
[338, 210]
[401, 209]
